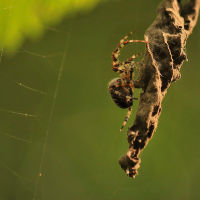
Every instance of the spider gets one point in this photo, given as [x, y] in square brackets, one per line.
[121, 89]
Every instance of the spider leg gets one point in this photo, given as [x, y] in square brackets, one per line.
[134, 56]
[126, 119]
[133, 64]
[127, 36]
[116, 52]
[123, 40]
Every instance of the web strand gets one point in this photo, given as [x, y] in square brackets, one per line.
[51, 114]
[16, 175]
[118, 187]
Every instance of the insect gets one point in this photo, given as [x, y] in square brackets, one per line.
[121, 89]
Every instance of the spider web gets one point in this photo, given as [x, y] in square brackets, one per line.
[26, 112]
[29, 91]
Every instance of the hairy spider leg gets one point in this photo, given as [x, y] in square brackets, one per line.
[125, 83]
[126, 119]
[122, 43]
[134, 56]
[132, 64]
[127, 115]
[131, 84]
[129, 108]
[115, 54]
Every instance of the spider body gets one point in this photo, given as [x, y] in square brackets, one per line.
[121, 95]
[121, 89]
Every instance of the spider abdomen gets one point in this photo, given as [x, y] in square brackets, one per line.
[121, 93]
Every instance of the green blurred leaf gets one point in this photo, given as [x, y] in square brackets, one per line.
[21, 19]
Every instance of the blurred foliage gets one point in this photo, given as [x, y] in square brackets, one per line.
[28, 18]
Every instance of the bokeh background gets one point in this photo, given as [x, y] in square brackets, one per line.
[59, 134]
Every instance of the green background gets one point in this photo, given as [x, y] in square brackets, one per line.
[58, 120]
